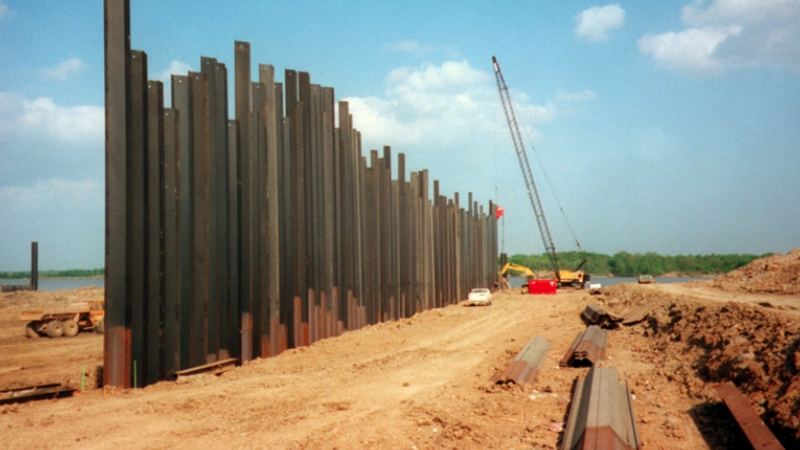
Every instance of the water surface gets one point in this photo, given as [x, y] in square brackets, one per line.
[57, 284]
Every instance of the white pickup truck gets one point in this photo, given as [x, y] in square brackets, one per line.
[479, 297]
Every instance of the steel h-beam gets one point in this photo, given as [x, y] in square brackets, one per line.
[34, 266]
[271, 216]
[118, 134]
[171, 324]
[182, 103]
[242, 92]
[201, 219]
[137, 215]
[215, 145]
[234, 239]
[155, 237]
[220, 195]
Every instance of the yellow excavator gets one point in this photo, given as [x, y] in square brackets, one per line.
[516, 268]
[573, 278]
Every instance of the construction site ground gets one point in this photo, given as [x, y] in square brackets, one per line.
[423, 382]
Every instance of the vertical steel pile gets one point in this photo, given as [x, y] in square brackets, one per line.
[34, 266]
[242, 237]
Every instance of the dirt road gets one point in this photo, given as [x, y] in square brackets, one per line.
[424, 382]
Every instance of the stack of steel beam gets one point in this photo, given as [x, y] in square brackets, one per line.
[242, 237]
[596, 315]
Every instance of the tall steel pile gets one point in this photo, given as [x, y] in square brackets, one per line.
[241, 237]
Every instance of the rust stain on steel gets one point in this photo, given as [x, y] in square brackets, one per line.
[214, 368]
[601, 415]
[588, 348]
[527, 364]
[41, 392]
[595, 315]
[757, 433]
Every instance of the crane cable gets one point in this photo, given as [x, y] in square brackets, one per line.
[552, 189]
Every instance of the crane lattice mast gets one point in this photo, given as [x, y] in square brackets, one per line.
[522, 157]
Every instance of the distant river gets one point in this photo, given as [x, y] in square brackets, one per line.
[609, 281]
[57, 284]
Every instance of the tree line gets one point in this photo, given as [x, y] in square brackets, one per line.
[624, 264]
[621, 264]
[72, 273]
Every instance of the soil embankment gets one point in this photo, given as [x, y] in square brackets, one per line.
[423, 382]
[777, 274]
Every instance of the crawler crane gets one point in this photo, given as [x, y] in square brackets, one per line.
[563, 277]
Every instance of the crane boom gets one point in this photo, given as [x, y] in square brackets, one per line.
[522, 156]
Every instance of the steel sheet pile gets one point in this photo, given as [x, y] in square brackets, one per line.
[240, 237]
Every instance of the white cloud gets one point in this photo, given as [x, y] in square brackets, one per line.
[57, 193]
[64, 70]
[411, 46]
[175, 67]
[595, 23]
[447, 107]
[4, 11]
[65, 216]
[728, 34]
[723, 12]
[20, 115]
[692, 50]
[585, 96]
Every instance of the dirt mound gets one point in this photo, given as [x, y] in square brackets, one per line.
[698, 343]
[777, 274]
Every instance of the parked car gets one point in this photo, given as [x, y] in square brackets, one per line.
[646, 279]
[480, 297]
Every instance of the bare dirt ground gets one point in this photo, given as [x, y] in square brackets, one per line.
[423, 382]
[27, 362]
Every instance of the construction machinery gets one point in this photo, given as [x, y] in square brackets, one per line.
[563, 277]
[81, 316]
[516, 268]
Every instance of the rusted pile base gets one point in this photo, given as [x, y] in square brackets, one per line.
[42, 392]
[588, 348]
[754, 428]
[601, 415]
[526, 366]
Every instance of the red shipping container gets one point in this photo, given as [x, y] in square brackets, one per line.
[546, 287]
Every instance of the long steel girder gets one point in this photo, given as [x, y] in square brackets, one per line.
[526, 365]
[601, 415]
[588, 348]
[754, 428]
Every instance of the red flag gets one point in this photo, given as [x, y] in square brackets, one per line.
[498, 212]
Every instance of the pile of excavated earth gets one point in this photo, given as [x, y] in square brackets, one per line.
[777, 274]
[424, 382]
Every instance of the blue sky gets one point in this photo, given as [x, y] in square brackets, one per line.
[662, 126]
